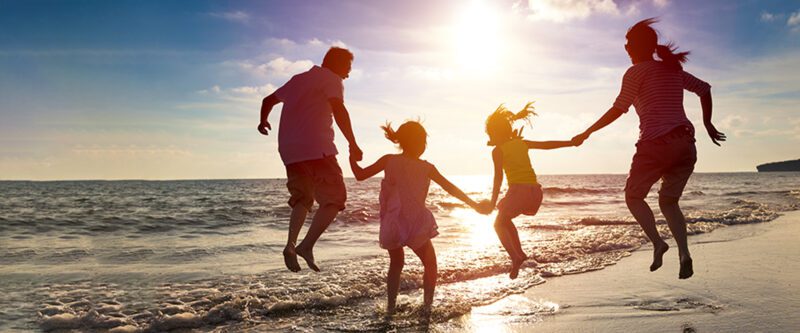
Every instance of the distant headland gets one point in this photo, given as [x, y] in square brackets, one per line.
[793, 165]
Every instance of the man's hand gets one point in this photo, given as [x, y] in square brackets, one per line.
[714, 134]
[263, 127]
[355, 153]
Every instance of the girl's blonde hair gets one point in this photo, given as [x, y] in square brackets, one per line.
[498, 124]
[411, 136]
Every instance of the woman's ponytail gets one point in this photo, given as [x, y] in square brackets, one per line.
[670, 58]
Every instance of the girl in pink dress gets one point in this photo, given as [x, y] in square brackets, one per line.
[405, 219]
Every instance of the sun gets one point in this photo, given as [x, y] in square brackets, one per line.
[478, 37]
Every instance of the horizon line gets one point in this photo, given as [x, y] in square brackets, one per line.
[348, 177]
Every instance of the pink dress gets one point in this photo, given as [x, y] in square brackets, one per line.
[405, 220]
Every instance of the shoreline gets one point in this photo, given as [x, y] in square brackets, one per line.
[746, 279]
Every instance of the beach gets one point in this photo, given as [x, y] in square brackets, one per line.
[746, 280]
[205, 255]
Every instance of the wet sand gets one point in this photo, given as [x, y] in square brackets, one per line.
[747, 279]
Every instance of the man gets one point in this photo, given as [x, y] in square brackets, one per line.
[311, 102]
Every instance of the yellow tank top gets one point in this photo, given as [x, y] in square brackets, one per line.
[516, 163]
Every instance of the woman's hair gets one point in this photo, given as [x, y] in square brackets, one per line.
[411, 136]
[498, 124]
[643, 39]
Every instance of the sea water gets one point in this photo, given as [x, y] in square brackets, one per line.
[205, 255]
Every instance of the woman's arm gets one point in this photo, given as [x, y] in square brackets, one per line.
[364, 173]
[609, 117]
[452, 189]
[549, 144]
[705, 103]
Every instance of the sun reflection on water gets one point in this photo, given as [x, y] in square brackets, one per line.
[479, 228]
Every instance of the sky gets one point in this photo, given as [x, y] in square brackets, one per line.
[172, 89]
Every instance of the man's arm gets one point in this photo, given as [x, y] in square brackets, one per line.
[266, 107]
[609, 117]
[705, 103]
[342, 118]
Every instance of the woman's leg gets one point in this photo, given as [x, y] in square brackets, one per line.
[644, 216]
[396, 262]
[677, 225]
[427, 255]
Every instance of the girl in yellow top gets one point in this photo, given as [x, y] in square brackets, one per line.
[524, 195]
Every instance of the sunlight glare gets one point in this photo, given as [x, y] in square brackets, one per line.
[478, 37]
[480, 227]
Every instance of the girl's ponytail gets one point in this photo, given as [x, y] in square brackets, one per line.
[670, 58]
[390, 133]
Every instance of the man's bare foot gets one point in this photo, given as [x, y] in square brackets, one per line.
[516, 264]
[308, 256]
[658, 254]
[290, 258]
[686, 268]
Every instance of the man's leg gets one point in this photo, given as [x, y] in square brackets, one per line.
[319, 223]
[296, 221]
[331, 194]
[301, 190]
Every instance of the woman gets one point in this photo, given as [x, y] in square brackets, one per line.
[665, 149]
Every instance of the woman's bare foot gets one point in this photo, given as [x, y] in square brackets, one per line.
[516, 264]
[290, 258]
[686, 268]
[658, 254]
[308, 256]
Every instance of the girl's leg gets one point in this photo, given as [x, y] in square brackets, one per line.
[644, 216]
[677, 225]
[427, 255]
[509, 237]
[396, 262]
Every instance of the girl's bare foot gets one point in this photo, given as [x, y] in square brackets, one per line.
[686, 268]
[290, 258]
[658, 254]
[308, 256]
[516, 264]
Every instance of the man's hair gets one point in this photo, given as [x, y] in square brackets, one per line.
[337, 56]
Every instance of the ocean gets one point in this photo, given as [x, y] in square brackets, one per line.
[205, 255]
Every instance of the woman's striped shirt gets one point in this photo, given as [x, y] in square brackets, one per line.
[656, 91]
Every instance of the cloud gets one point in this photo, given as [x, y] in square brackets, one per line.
[566, 10]
[661, 3]
[768, 17]
[794, 21]
[234, 16]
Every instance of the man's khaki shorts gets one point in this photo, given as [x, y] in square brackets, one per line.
[670, 158]
[319, 180]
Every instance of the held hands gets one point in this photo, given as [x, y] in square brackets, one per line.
[579, 139]
[355, 153]
[484, 207]
[263, 127]
[714, 134]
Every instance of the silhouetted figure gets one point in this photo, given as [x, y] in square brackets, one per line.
[311, 102]
[524, 194]
[666, 148]
[405, 219]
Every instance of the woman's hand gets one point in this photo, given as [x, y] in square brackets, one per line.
[716, 136]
